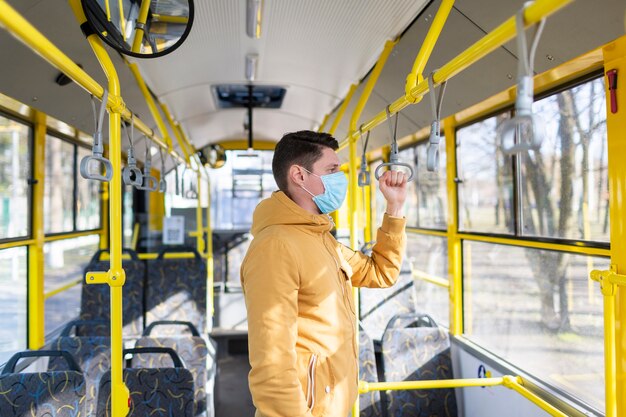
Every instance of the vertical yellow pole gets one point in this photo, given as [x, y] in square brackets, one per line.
[104, 211]
[209, 248]
[36, 329]
[116, 275]
[353, 212]
[615, 59]
[199, 225]
[141, 22]
[455, 261]
[342, 109]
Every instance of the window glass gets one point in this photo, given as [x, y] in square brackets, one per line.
[431, 193]
[15, 161]
[485, 179]
[428, 255]
[128, 214]
[65, 261]
[410, 206]
[538, 310]
[13, 301]
[565, 184]
[88, 201]
[58, 201]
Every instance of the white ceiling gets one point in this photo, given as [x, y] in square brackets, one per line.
[315, 49]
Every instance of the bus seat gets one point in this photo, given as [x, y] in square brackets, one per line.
[192, 350]
[153, 391]
[42, 394]
[369, 403]
[418, 352]
[176, 290]
[93, 355]
[95, 302]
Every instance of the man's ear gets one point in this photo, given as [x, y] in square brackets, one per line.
[296, 175]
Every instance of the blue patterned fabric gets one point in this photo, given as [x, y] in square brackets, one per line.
[164, 392]
[194, 353]
[369, 403]
[45, 394]
[95, 300]
[419, 353]
[92, 355]
[177, 290]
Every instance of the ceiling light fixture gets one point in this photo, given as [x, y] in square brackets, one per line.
[253, 18]
[251, 64]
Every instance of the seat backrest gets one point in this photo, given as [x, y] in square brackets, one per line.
[194, 353]
[369, 403]
[168, 391]
[177, 290]
[93, 356]
[95, 302]
[413, 354]
[41, 394]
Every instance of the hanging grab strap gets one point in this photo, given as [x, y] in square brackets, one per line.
[526, 127]
[432, 153]
[131, 174]
[98, 147]
[162, 183]
[394, 158]
[150, 183]
[364, 178]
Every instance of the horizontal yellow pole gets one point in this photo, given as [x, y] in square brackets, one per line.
[430, 278]
[428, 232]
[170, 19]
[62, 288]
[16, 243]
[150, 256]
[559, 247]
[64, 236]
[508, 381]
[494, 39]
[365, 387]
[26, 33]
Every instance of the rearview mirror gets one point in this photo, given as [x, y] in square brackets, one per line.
[140, 28]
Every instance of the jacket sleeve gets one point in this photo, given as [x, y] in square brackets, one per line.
[270, 282]
[383, 267]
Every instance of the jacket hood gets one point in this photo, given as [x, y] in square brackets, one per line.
[281, 210]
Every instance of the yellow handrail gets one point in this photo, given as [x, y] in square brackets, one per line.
[342, 109]
[62, 288]
[140, 25]
[508, 381]
[494, 39]
[415, 76]
[26, 33]
[430, 278]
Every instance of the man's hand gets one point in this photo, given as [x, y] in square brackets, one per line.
[393, 185]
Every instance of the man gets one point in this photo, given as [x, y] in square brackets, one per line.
[297, 281]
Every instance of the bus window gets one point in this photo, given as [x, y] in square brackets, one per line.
[88, 198]
[15, 157]
[431, 201]
[13, 301]
[59, 186]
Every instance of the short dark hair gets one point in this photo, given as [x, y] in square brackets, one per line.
[302, 148]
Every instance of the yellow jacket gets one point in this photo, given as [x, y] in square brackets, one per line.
[297, 281]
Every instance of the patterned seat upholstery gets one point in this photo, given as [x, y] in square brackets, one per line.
[160, 392]
[177, 290]
[93, 356]
[369, 403]
[95, 302]
[43, 394]
[418, 353]
[194, 353]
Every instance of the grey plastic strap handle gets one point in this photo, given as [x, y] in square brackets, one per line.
[364, 178]
[98, 149]
[162, 182]
[394, 158]
[524, 123]
[131, 175]
[150, 183]
[432, 152]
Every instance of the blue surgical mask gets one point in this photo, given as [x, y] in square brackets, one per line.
[335, 189]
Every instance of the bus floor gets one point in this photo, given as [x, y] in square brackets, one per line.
[232, 396]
